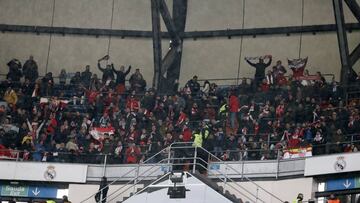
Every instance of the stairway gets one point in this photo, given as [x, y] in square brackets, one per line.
[216, 187]
[139, 189]
[192, 182]
[232, 191]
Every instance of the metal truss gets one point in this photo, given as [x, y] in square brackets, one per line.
[347, 59]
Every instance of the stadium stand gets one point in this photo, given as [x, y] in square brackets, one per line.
[275, 117]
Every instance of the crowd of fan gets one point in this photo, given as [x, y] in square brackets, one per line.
[254, 120]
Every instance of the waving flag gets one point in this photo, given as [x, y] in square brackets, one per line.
[254, 58]
[99, 133]
[297, 63]
[55, 104]
[297, 66]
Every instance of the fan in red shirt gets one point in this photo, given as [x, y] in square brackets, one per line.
[294, 142]
[295, 139]
[234, 106]
[280, 110]
[91, 95]
[133, 134]
[265, 86]
[186, 134]
[52, 124]
[133, 104]
[182, 118]
[132, 154]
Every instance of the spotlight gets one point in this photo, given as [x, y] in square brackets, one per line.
[177, 192]
[177, 177]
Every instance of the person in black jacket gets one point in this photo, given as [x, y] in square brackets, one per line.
[107, 72]
[103, 190]
[30, 69]
[47, 83]
[137, 82]
[120, 78]
[76, 79]
[194, 86]
[260, 69]
[15, 73]
[86, 76]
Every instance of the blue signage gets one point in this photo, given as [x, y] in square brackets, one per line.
[28, 191]
[165, 169]
[340, 184]
[214, 166]
[42, 192]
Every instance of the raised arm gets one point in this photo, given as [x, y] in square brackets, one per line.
[100, 68]
[269, 62]
[40, 127]
[250, 63]
[306, 62]
[113, 68]
[128, 70]
[29, 124]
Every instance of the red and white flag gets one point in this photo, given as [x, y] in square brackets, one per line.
[98, 133]
[300, 152]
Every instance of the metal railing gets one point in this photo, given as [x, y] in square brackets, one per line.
[119, 178]
[236, 81]
[197, 162]
[112, 158]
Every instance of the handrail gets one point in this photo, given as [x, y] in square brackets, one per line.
[248, 179]
[190, 158]
[168, 159]
[129, 182]
[227, 178]
[137, 180]
[232, 182]
[161, 151]
[157, 180]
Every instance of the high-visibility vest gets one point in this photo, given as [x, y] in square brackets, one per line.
[198, 140]
[222, 109]
[206, 132]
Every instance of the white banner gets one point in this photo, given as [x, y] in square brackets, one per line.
[337, 163]
[43, 171]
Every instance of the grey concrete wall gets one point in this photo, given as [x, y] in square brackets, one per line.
[223, 58]
[208, 58]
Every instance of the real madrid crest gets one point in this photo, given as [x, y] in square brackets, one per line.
[340, 163]
[50, 173]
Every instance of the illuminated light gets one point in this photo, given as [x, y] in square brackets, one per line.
[62, 192]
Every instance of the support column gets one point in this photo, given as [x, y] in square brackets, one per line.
[354, 8]
[179, 17]
[156, 36]
[342, 40]
[172, 60]
[169, 23]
